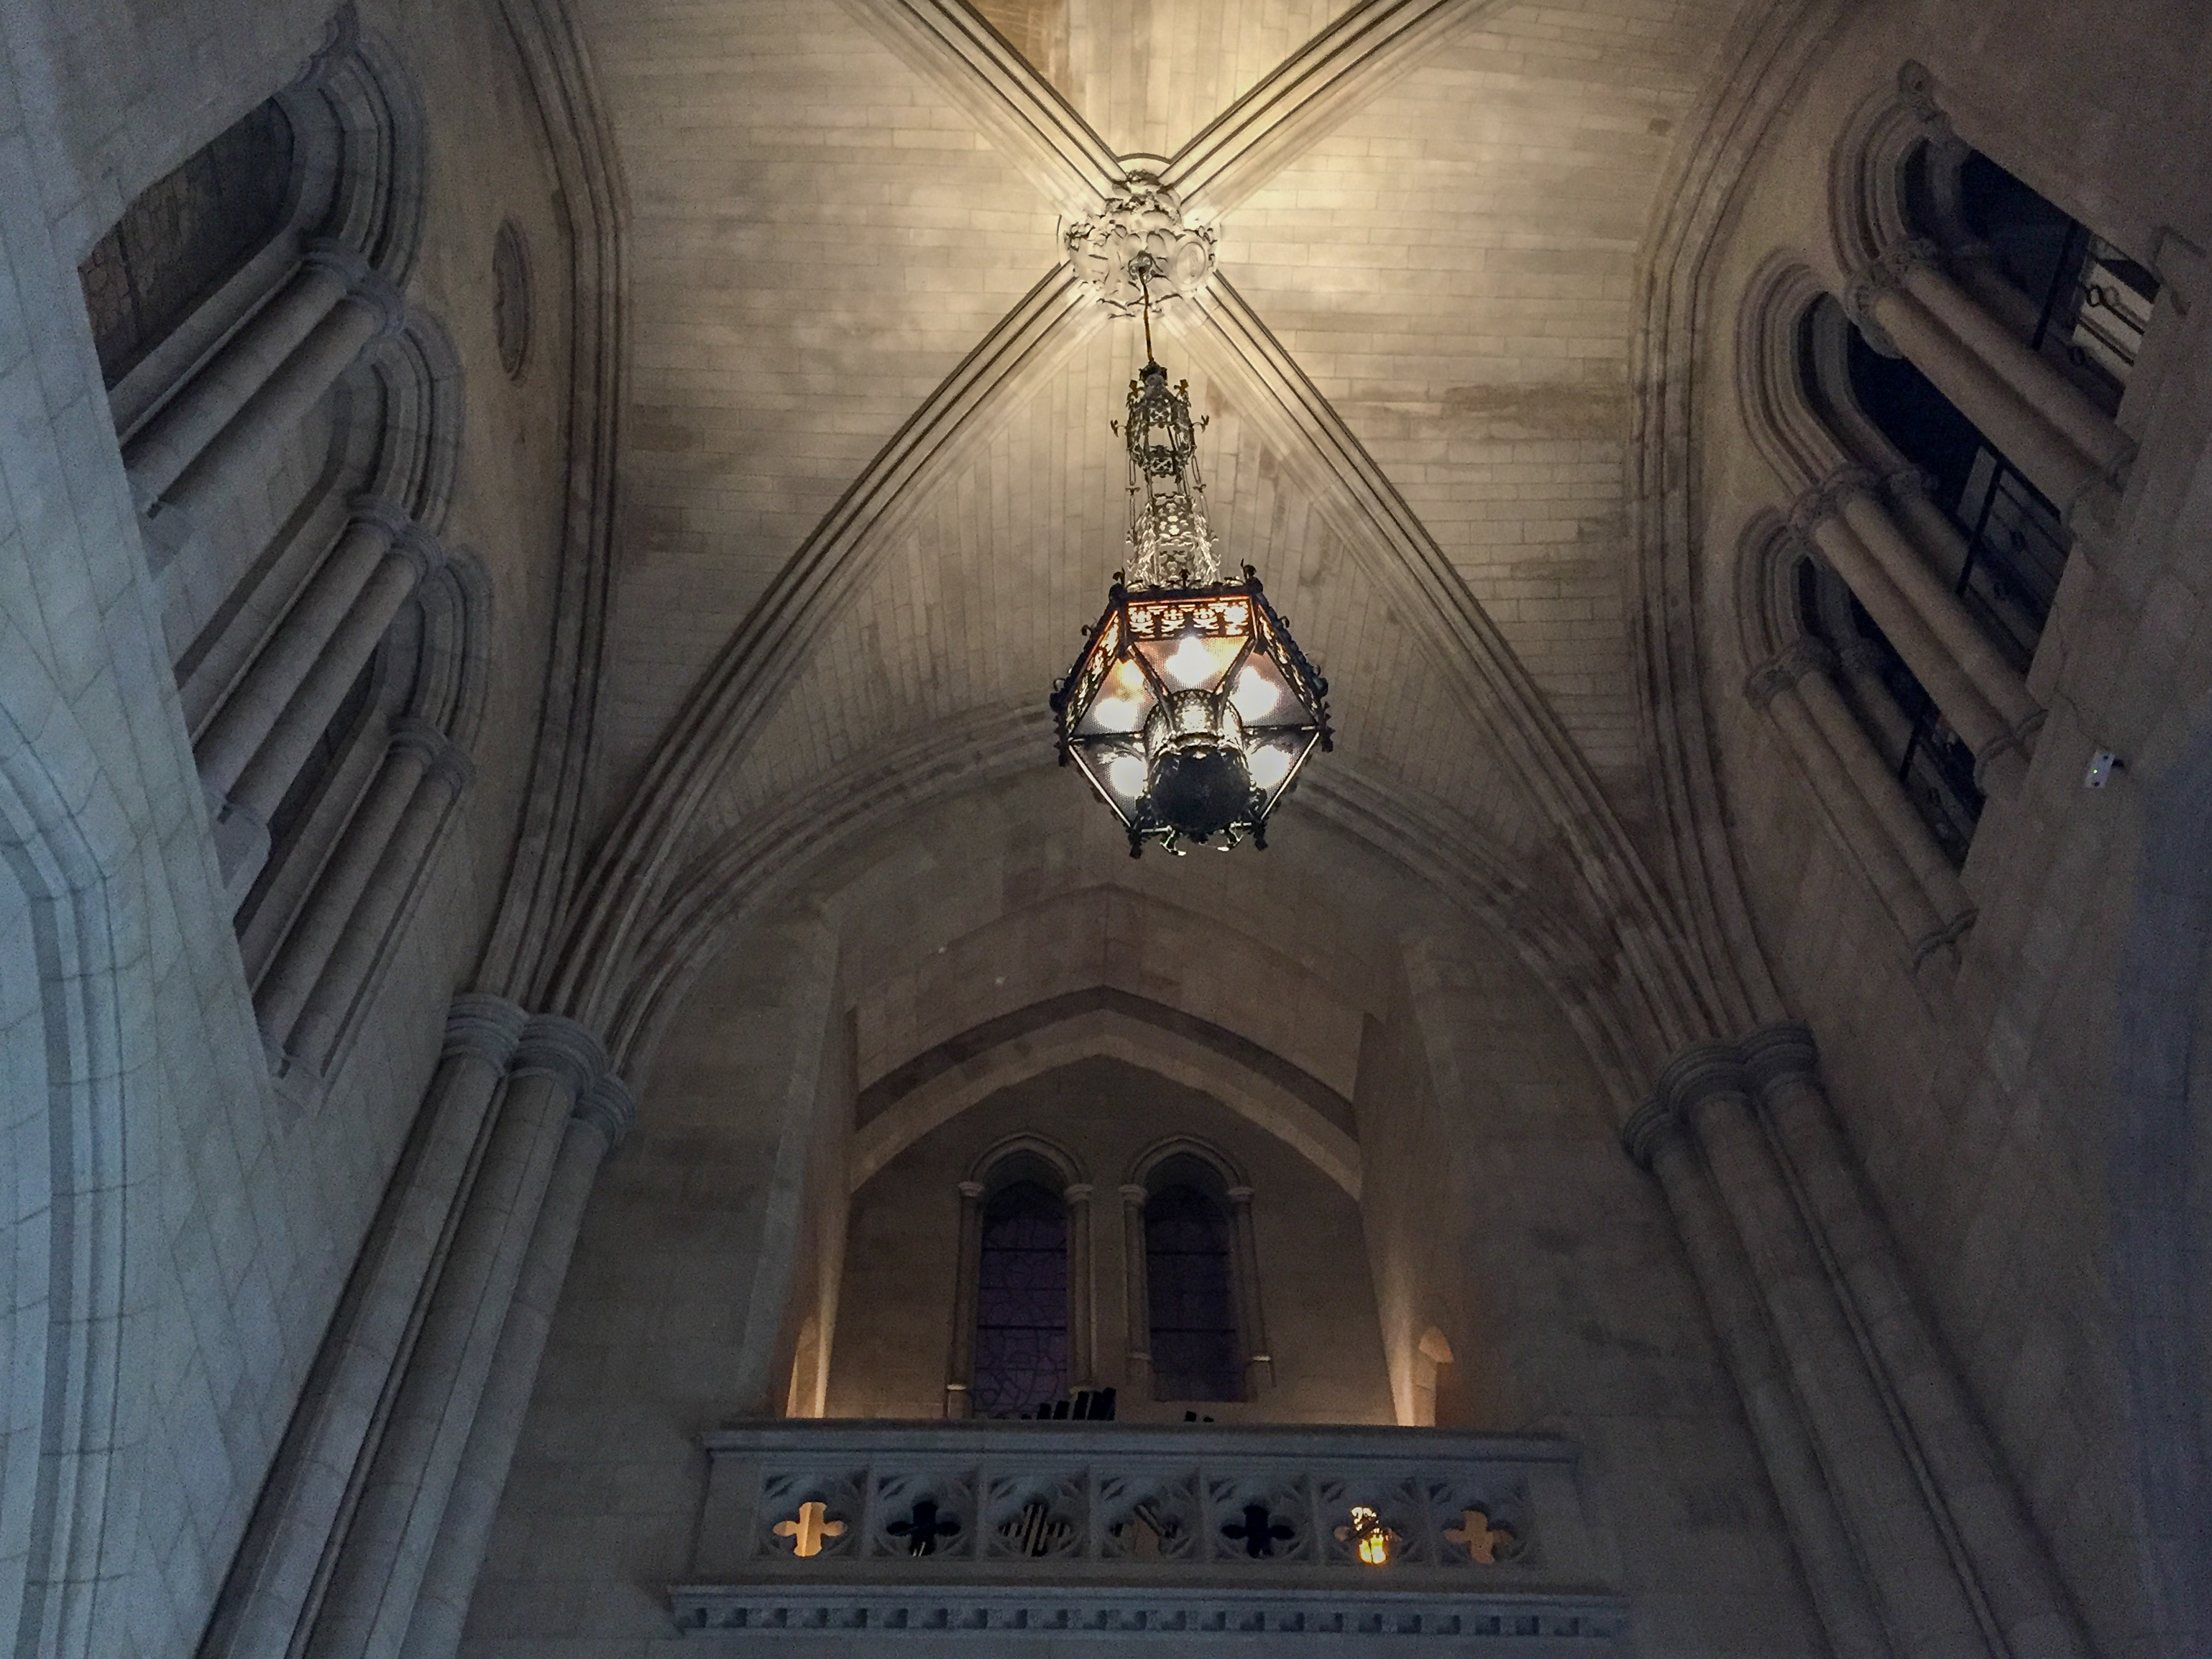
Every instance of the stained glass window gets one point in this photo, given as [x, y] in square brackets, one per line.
[1195, 1352]
[1021, 1302]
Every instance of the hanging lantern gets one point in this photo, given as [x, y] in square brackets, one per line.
[1192, 709]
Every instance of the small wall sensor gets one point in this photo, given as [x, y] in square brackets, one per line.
[2102, 765]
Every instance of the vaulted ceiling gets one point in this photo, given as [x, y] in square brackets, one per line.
[868, 489]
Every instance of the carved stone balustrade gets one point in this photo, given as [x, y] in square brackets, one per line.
[982, 1531]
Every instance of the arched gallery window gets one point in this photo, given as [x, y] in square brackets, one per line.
[1021, 1301]
[184, 236]
[290, 429]
[1190, 1275]
[1195, 1328]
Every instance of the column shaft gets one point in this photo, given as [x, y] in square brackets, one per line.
[185, 425]
[274, 1579]
[1926, 1608]
[2013, 1567]
[1251, 1319]
[266, 419]
[960, 1361]
[2038, 449]
[1876, 785]
[1962, 704]
[464, 1534]
[1833, 1573]
[1999, 683]
[1821, 756]
[386, 1546]
[314, 932]
[1136, 1294]
[1082, 1366]
[253, 799]
[2037, 380]
[369, 921]
[283, 663]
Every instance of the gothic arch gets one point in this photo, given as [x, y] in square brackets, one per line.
[1114, 1033]
[1147, 1163]
[1024, 1152]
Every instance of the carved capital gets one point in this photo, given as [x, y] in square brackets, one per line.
[1077, 1192]
[1915, 87]
[341, 39]
[971, 1190]
[340, 260]
[1878, 277]
[1701, 1074]
[481, 1026]
[442, 758]
[1801, 656]
[1776, 1056]
[381, 514]
[1145, 218]
[557, 1045]
[1906, 484]
[609, 1107]
[421, 549]
[1135, 1195]
[1650, 1129]
[382, 296]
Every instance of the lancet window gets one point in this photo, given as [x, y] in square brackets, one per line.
[1191, 1277]
[1021, 1302]
[1021, 1314]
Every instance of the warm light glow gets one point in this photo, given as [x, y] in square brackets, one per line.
[1255, 694]
[1191, 665]
[1371, 1537]
[1269, 765]
[1125, 775]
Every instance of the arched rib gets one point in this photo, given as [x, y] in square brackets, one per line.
[761, 660]
[1312, 91]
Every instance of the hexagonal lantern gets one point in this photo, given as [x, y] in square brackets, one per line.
[1192, 709]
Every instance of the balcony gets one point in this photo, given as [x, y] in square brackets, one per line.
[1359, 1535]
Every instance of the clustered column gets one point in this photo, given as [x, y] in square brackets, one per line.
[2071, 450]
[329, 949]
[216, 433]
[1894, 1498]
[1982, 695]
[254, 747]
[383, 1489]
[1920, 891]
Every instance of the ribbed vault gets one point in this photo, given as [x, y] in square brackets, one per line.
[873, 492]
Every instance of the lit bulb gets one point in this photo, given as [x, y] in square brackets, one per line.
[1268, 766]
[1255, 696]
[1125, 775]
[1190, 664]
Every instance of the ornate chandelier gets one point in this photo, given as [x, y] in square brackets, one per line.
[1192, 709]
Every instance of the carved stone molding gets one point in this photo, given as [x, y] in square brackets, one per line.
[1147, 217]
[1881, 276]
[484, 1026]
[1801, 656]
